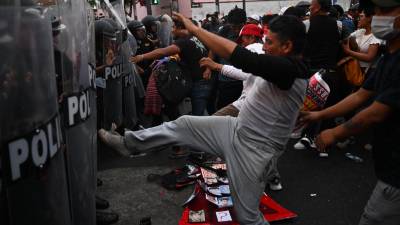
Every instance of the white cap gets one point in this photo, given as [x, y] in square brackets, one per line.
[255, 17]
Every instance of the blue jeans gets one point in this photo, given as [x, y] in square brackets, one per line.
[201, 92]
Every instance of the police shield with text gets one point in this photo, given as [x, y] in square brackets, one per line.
[75, 98]
[33, 176]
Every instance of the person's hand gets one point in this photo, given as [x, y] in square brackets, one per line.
[140, 70]
[137, 59]
[346, 46]
[207, 74]
[209, 63]
[325, 139]
[307, 117]
[188, 23]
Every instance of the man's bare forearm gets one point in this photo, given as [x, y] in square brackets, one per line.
[347, 105]
[362, 121]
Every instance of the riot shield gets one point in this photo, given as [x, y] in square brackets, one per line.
[76, 99]
[128, 91]
[92, 74]
[109, 85]
[164, 33]
[34, 183]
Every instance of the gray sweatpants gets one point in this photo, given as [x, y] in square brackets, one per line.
[248, 163]
[383, 207]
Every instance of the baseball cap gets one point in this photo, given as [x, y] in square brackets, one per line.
[255, 17]
[250, 29]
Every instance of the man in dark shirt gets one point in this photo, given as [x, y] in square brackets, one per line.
[190, 51]
[322, 51]
[323, 36]
[382, 115]
[230, 89]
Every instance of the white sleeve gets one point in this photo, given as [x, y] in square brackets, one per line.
[354, 34]
[375, 40]
[233, 72]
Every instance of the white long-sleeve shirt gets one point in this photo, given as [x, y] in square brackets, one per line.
[238, 74]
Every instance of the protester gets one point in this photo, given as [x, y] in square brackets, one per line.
[367, 43]
[229, 89]
[345, 19]
[190, 51]
[324, 34]
[211, 23]
[249, 142]
[249, 37]
[383, 87]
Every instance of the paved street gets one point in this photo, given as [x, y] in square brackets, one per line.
[322, 191]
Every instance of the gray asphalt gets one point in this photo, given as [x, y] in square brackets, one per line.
[322, 191]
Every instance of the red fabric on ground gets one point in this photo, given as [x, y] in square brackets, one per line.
[271, 210]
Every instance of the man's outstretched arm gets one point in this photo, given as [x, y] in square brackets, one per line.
[347, 105]
[362, 121]
[281, 71]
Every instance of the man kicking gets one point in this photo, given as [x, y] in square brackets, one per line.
[248, 142]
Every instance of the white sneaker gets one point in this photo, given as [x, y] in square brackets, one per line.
[115, 141]
[299, 146]
[275, 185]
[323, 155]
[304, 143]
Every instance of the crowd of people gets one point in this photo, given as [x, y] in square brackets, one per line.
[246, 78]
[250, 75]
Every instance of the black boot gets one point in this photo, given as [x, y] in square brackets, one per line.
[101, 203]
[106, 218]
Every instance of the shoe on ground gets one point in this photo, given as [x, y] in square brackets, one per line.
[275, 185]
[323, 155]
[106, 218]
[115, 141]
[101, 203]
[368, 147]
[308, 142]
[305, 142]
[299, 146]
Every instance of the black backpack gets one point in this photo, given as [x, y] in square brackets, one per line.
[173, 80]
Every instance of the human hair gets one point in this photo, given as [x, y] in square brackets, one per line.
[333, 13]
[368, 11]
[325, 5]
[267, 18]
[339, 9]
[296, 11]
[237, 16]
[290, 28]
